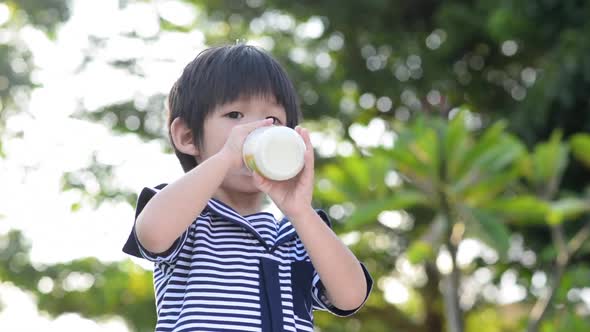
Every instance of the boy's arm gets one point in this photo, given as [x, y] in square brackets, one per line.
[340, 272]
[338, 268]
[169, 213]
[175, 207]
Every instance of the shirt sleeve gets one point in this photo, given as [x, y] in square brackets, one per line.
[318, 291]
[134, 248]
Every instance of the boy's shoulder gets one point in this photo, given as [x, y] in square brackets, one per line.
[145, 195]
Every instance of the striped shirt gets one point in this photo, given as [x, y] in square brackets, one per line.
[229, 272]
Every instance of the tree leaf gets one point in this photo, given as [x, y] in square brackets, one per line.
[491, 185]
[419, 251]
[489, 139]
[456, 135]
[494, 169]
[357, 172]
[75, 206]
[549, 160]
[415, 152]
[567, 209]
[489, 228]
[368, 212]
[408, 162]
[339, 178]
[580, 145]
[526, 209]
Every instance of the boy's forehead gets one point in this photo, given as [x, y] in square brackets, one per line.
[247, 99]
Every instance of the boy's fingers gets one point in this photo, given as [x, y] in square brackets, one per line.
[309, 148]
[305, 135]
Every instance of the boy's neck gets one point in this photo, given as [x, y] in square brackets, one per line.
[242, 203]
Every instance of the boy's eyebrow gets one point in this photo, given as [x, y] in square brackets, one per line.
[234, 103]
[277, 109]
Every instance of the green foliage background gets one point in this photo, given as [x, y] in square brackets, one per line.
[486, 119]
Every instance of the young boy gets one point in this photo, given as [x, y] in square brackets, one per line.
[219, 263]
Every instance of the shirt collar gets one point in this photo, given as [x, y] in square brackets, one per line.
[285, 229]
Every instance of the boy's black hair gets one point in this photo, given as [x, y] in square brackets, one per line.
[221, 75]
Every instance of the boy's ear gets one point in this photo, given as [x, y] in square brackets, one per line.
[182, 137]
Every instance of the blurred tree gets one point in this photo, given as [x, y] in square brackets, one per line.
[410, 199]
[15, 59]
[471, 193]
[86, 286]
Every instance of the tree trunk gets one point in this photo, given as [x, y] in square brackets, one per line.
[451, 295]
[434, 320]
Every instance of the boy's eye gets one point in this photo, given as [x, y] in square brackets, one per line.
[234, 115]
[275, 120]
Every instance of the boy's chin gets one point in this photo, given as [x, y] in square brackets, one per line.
[244, 182]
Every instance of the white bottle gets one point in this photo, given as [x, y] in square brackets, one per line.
[275, 152]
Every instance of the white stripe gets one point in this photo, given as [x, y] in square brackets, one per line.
[225, 288]
[220, 326]
[246, 248]
[221, 304]
[229, 281]
[227, 261]
[230, 266]
[302, 324]
[209, 283]
[226, 274]
[224, 253]
[228, 296]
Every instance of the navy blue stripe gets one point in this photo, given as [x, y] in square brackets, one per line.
[270, 296]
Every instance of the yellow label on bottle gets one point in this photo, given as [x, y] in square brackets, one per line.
[251, 163]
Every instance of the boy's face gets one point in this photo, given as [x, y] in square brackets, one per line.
[219, 123]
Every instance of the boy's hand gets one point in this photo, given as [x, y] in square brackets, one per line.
[294, 195]
[232, 150]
